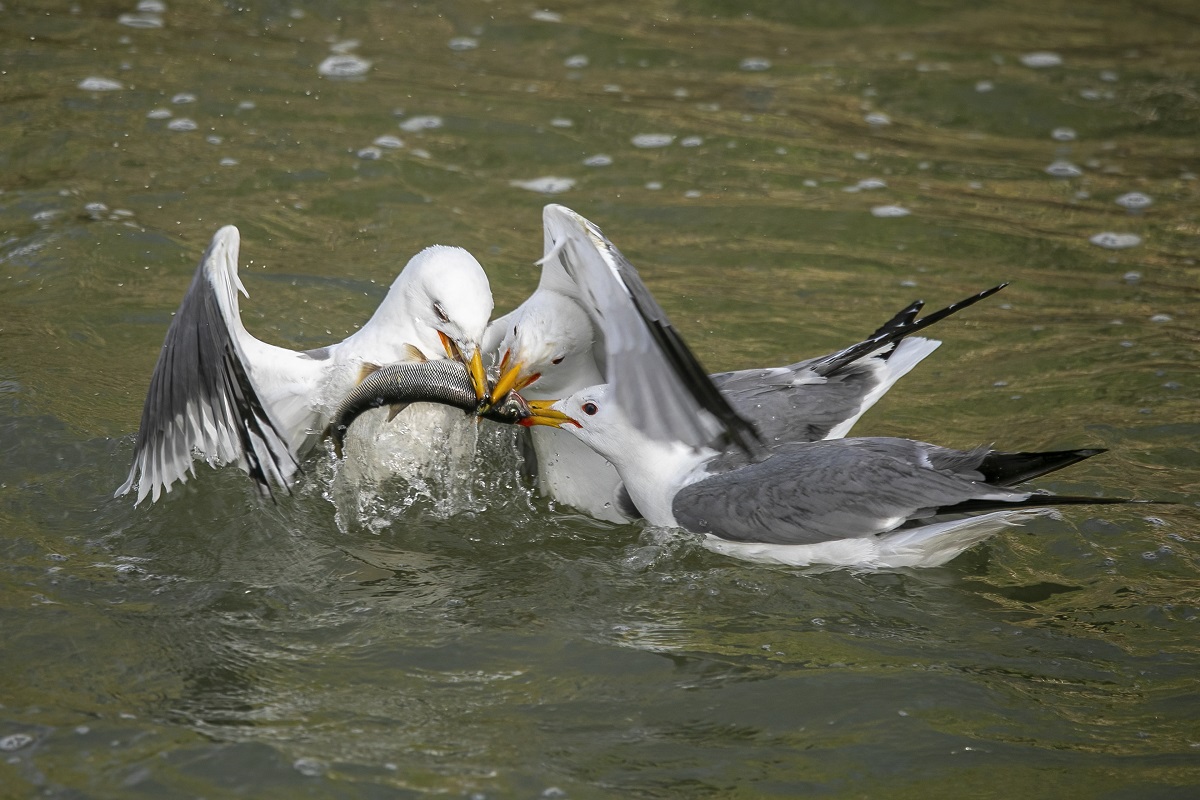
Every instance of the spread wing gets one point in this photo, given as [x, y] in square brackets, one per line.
[658, 381]
[201, 397]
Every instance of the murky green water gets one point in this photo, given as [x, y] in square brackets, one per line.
[213, 646]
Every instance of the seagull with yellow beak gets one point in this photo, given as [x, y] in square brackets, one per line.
[221, 394]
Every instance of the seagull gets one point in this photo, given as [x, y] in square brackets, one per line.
[863, 503]
[592, 320]
[219, 393]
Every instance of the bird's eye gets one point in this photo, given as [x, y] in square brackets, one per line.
[441, 312]
[557, 360]
[590, 408]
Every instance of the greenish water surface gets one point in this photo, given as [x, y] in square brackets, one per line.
[785, 176]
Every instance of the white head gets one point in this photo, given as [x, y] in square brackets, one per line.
[551, 338]
[446, 293]
[653, 470]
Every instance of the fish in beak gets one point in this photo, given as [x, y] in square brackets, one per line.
[512, 379]
[474, 366]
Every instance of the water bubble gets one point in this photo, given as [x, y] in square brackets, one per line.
[546, 16]
[370, 153]
[1063, 134]
[140, 21]
[691, 141]
[423, 123]
[15, 741]
[654, 186]
[1064, 169]
[890, 211]
[692, 194]
[866, 184]
[309, 767]
[1108, 76]
[877, 119]
[246, 105]
[344, 46]
[548, 184]
[648, 140]
[1134, 200]
[213, 139]
[228, 162]
[183, 97]
[182, 124]
[95, 84]
[344, 66]
[388, 141]
[1161, 318]
[561, 122]
[754, 64]
[598, 160]
[95, 210]
[152, 6]
[1132, 277]
[578, 61]
[159, 113]
[984, 86]
[1041, 60]
[1116, 241]
[462, 43]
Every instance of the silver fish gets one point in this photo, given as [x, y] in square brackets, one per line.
[441, 381]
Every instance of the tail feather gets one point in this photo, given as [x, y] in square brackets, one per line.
[1009, 469]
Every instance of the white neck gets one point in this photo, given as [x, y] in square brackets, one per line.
[655, 471]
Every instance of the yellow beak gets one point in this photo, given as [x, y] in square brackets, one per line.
[474, 366]
[543, 414]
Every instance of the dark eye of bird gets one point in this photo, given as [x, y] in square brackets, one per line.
[441, 312]
[590, 408]
[557, 360]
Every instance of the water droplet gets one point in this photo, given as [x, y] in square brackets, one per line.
[598, 160]
[877, 119]
[213, 139]
[152, 6]
[1116, 241]
[228, 162]
[370, 153]
[1161, 318]
[890, 211]
[691, 141]
[1134, 200]
[1132, 277]
[578, 61]
[424, 123]
[648, 140]
[94, 84]
[183, 97]
[1041, 60]
[159, 113]
[1063, 134]
[344, 66]
[754, 64]
[182, 124]
[1064, 169]
[461, 43]
[548, 184]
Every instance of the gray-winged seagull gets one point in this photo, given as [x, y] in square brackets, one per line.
[220, 393]
[592, 320]
[867, 503]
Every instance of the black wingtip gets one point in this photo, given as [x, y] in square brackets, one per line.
[1009, 469]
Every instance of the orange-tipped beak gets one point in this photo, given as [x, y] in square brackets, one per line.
[478, 377]
[543, 414]
[508, 380]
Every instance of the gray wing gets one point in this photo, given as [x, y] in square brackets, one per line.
[808, 493]
[201, 397]
[657, 379]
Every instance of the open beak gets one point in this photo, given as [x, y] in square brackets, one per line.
[512, 379]
[474, 366]
[541, 413]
